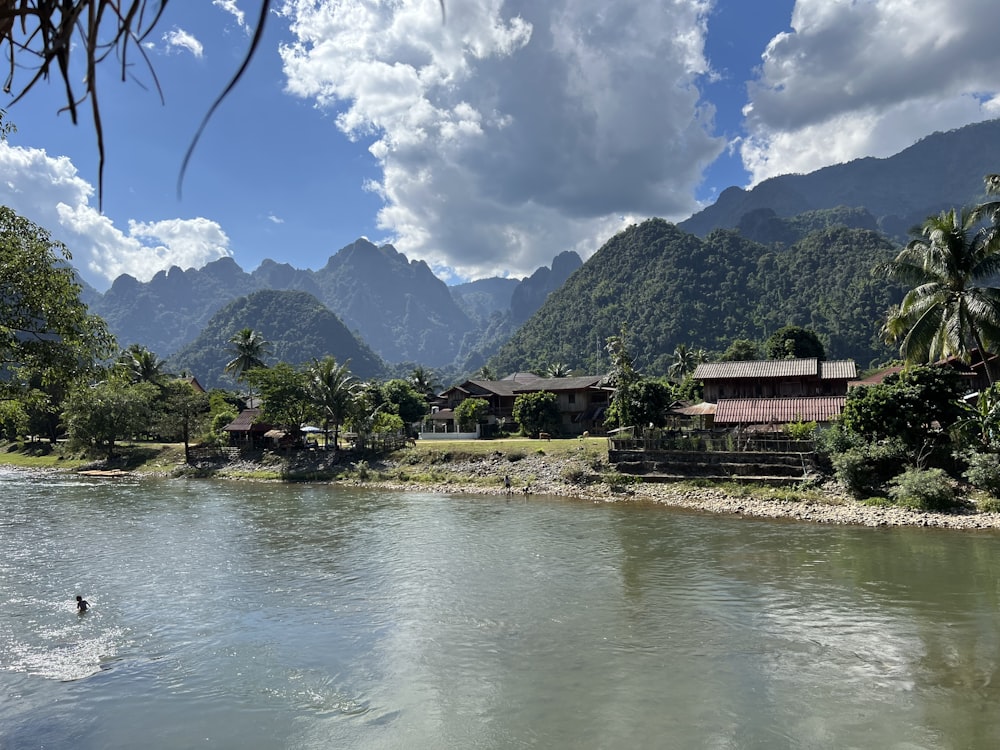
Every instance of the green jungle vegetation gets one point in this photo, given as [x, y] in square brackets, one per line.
[297, 326]
[665, 288]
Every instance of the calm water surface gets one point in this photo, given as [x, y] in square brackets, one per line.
[237, 615]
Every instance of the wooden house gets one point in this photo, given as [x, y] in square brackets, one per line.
[246, 432]
[776, 392]
[582, 400]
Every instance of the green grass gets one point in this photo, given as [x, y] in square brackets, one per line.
[37, 456]
[592, 447]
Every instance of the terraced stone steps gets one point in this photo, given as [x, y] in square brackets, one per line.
[752, 467]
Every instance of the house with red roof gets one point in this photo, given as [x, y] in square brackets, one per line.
[775, 392]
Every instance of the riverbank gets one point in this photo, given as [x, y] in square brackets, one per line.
[575, 478]
[575, 469]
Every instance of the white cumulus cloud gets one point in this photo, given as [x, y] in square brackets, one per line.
[868, 78]
[513, 130]
[48, 191]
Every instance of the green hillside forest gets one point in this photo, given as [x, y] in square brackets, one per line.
[664, 287]
[297, 326]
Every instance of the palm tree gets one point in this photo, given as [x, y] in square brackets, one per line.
[684, 361]
[332, 388]
[250, 349]
[423, 381]
[949, 310]
[557, 370]
[141, 365]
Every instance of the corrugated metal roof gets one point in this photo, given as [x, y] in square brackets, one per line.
[836, 369]
[779, 410]
[757, 369]
[839, 369]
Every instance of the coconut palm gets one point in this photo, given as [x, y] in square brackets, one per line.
[141, 365]
[250, 349]
[423, 381]
[332, 388]
[684, 361]
[950, 309]
[557, 370]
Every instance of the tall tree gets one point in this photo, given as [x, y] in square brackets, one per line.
[950, 308]
[250, 349]
[101, 415]
[794, 342]
[557, 370]
[180, 412]
[332, 388]
[624, 378]
[537, 412]
[409, 403]
[46, 331]
[284, 392]
[424, 381]
[741, 350]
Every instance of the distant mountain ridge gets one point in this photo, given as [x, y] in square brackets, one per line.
[396, 306]
[943, 170]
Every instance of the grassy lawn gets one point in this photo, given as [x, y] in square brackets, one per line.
[36, 456]
[557, 448]
[41, 455]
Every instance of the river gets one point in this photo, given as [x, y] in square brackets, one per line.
[255, 615]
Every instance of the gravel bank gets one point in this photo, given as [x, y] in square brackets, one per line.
[541, 475]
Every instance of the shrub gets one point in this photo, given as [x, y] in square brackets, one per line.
[362, 470]
[515, 456]
[833, 440]
[617, 481]
[573, 475]
[983, 472]
[865, 468]
[801, 430]
[988, 505]
[923, 489]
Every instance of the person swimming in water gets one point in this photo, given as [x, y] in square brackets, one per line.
[81, 604]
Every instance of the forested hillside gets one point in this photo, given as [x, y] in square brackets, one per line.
[297, 326]
[667, 287]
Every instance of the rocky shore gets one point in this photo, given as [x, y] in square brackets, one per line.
[573, 478]
[584, 477]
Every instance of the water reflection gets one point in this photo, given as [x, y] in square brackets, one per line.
[325, 616]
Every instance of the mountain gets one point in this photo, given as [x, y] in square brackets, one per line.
[943, 170]
[663, 287]
[399, 307]
[172, 308]
[482, 298]
[525, 298]
[531, 293]
[297, 326]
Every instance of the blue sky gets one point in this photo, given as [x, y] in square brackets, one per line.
[487, 144]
